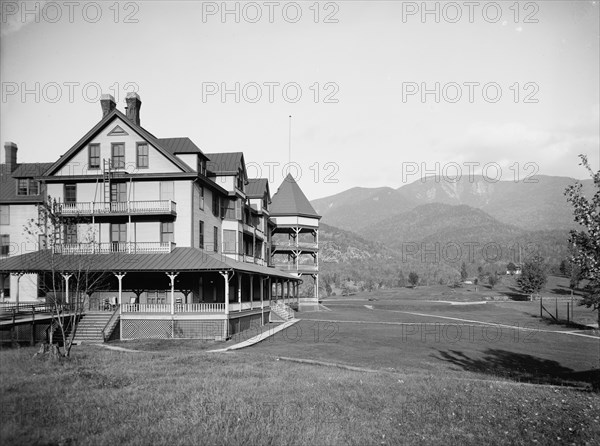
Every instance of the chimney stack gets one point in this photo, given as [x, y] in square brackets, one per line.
[108, 104]
[134, 103]
[10, 155]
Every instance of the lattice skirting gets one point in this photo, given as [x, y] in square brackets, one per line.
[169, 329]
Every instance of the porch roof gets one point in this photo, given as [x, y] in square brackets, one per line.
[179, 260]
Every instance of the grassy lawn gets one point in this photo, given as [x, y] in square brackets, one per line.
[430, 385]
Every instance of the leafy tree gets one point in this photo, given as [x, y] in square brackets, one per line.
[413, 278]
[565, 267]
[328, 289]
[586, 242]
[575, 277]
[401, 279]
[463, 272]
[511, 267]
[493, 280]
[533, 276]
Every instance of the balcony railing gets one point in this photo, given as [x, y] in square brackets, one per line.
[126, 207]
[294, 267]
[111, 247]
[285, 244]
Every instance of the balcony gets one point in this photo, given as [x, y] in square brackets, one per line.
[292, 267]
[111, 247]
[148, 207]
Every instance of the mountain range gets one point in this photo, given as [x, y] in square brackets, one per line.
[432, 226]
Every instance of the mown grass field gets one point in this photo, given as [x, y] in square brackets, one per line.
[525, 381]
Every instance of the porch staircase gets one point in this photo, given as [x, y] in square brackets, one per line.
[91, 325]
[281, 312]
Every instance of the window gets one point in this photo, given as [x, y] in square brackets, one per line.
[118, 155]
[265, 203]
[4, 214]
[201, 202]
[94, 156]
[4, 244]
[118, 236]
[167, 191]
[70, 193]
[201, 166]
[27, 186]
[229, 237]
[166, 232]
[157, 297]
[70, 233]
[201, 234]
[118, 192]
[216, 239]
[6, 285]
[215, 204]
[240, 180]
[142, 155]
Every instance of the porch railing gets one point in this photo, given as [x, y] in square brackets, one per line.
[179, 308]
[110, 247]
[293, 244]
[128, 207]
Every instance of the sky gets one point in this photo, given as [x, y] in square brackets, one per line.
[381, 93]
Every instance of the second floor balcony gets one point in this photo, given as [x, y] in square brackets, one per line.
[294, 245]
[145, 207]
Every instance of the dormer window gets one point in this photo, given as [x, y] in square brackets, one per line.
[201, 166]
[27, 186]
[265, 202]
[240, 180]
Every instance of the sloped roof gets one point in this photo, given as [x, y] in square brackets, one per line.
[183, 259]
[226, 162]
[100, 125]
[180, 145]
[8, 182]
[290, 200]
[256, 187]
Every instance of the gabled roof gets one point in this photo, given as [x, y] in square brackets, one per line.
[257, 187]
[180, 145]
[179, 260]
[225, 163]
[290, 200]
[8, 182]
[103, 123]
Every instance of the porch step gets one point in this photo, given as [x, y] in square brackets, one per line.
[281, 311]
[90, 327]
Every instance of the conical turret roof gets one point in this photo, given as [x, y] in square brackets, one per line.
[290, 200]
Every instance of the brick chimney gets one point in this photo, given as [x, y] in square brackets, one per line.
[108, 104]
[10, 155]
[134, 103]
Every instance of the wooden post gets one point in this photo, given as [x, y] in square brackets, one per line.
[262, 306]
[172, 276]
[541, 308]
[556, 307]
[239, 291]
[251, 291]
[32, 325]
[568, 320]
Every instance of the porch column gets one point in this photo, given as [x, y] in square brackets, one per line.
[262, 295]
[172, 277]
[225, 275]
[239, 291]
[119, 277]
[2, 286]
[297, 294]
[251, 292]
[270, 290]
[288, 291]
[65, 276]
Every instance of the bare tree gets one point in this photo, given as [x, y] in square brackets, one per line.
[68, 278]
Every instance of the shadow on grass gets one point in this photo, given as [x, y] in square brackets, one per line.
[522, 367]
